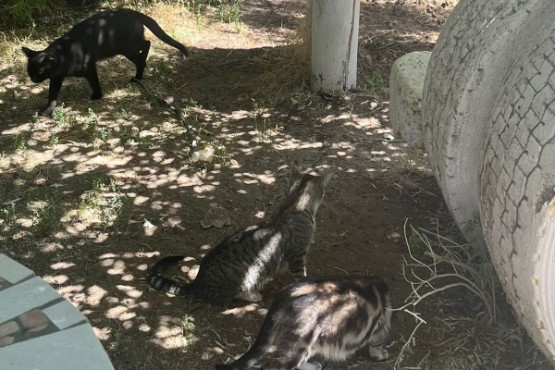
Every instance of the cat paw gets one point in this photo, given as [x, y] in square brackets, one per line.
[46, 112]
[310, 366]
[378, 353]
[96, 96]
[250, 296]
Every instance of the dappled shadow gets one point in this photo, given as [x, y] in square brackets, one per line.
[90, 199]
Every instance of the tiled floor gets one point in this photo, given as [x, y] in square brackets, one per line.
[39, 330]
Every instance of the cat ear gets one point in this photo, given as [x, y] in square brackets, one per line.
[30, 53]
[295, 171]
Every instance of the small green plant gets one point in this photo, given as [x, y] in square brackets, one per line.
[125, 114]
[58, 114]
[129, 134]
[116, 206]
[104, 135]
[20, 143]
[54, 140]
[97, 185]
[198, 9]
[8, 223]
[376, 83]
[47, 217]
[229, 11]
[22, 11]
[7, 214]
[221, 156]
[92, 118]
[92, 199]
[187, 325]
[109, 203]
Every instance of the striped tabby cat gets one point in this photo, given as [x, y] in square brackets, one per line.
[240, 265]
[328, 317]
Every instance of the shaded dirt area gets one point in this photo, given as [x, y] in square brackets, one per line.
[94, 196]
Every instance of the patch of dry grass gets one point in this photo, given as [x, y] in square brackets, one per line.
[484, 337]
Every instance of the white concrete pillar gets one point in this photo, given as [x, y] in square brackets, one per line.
[334, 45]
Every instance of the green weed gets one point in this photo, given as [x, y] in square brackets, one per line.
[103, 135]
[8, 224]
[22, 12]
[377, 84]
[229, 11]
[116, 207]
[187, 325]
[53, 141]
[20, 143]
[107, 203]
[58, 115]
[47, 217]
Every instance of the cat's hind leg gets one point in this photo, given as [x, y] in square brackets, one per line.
[298, 267]
[138, 57]
[378, 353]
[293, 355]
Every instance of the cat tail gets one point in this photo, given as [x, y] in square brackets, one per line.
[155, 28]
[260, 347]
[159, 282]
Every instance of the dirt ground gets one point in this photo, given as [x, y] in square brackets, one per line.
[95, 195]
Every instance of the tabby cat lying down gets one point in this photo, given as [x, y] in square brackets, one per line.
[104, 35]
[240, 265]
[328, 317]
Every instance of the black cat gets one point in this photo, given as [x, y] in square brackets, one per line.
[105, 34]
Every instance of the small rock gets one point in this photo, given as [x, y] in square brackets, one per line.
[388, 137]
[149, 228]
[204, 155]
[6, 341]
[207, 154]
[195, 156]
[8, 328]
[33, 319]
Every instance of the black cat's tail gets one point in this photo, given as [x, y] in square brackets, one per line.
[261, 345]
[155, 28]
[159, 282]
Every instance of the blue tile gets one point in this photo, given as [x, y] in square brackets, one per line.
[64, 314]
[12, 271]
[25, 296]
[75, 348]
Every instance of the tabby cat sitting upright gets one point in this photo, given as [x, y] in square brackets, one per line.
[328, 317]
[104, 35]
[240, 265]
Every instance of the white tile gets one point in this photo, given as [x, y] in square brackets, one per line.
[75, 348]
[25, 296]
[64, 314]
[12, 271]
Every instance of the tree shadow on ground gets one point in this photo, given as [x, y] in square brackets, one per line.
[109, 186]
